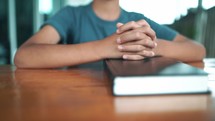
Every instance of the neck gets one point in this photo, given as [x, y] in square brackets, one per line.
[107, 9]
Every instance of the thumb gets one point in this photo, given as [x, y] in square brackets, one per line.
[119, 25]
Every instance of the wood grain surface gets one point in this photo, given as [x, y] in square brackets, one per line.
[84, 94]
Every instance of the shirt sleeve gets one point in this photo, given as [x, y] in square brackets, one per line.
[61, 22]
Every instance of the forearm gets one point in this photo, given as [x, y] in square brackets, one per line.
[52, 55]
[183, 50]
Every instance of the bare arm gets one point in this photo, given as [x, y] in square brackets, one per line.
[42, 51]
[181, 48]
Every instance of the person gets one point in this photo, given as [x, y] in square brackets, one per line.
[101, 30]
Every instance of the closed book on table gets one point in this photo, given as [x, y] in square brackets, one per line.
[155, 76]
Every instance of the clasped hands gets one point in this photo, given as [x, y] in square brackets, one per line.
[136, 40]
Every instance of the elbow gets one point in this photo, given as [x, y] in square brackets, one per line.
[198, 53]
[20, 59]
[202, 53]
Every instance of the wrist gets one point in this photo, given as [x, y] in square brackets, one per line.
[100, 49]
[108, 48]
[159, 50]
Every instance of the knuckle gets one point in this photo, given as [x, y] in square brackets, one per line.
[142, 53]
[142, 42]
[148, 38]
[143, 21]
[125, 48]
[139, 47]
[138, 34]
[132, 23]
[135, 25]
[148, 42]
[148, 28]
[147, 53]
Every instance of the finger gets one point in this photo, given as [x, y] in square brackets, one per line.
[146, 53]
[128, 26]
[134, 37]
[130, 36]
[148, 31]
[143, 22]
[133, 57]
[119, 25]
[131, 48]
[146, 42]
[144, 30]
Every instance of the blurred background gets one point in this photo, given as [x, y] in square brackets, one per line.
[20, 19]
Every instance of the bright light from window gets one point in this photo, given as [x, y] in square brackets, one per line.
[163, 11]
[45, 6]
[207, 4]
[78, 2]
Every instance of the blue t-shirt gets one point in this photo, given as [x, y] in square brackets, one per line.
[80, 24]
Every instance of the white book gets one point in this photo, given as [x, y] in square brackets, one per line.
[156, 76]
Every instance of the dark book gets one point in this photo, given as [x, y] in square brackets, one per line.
[155, 76]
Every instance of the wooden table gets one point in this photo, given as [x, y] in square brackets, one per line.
[84, 93]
